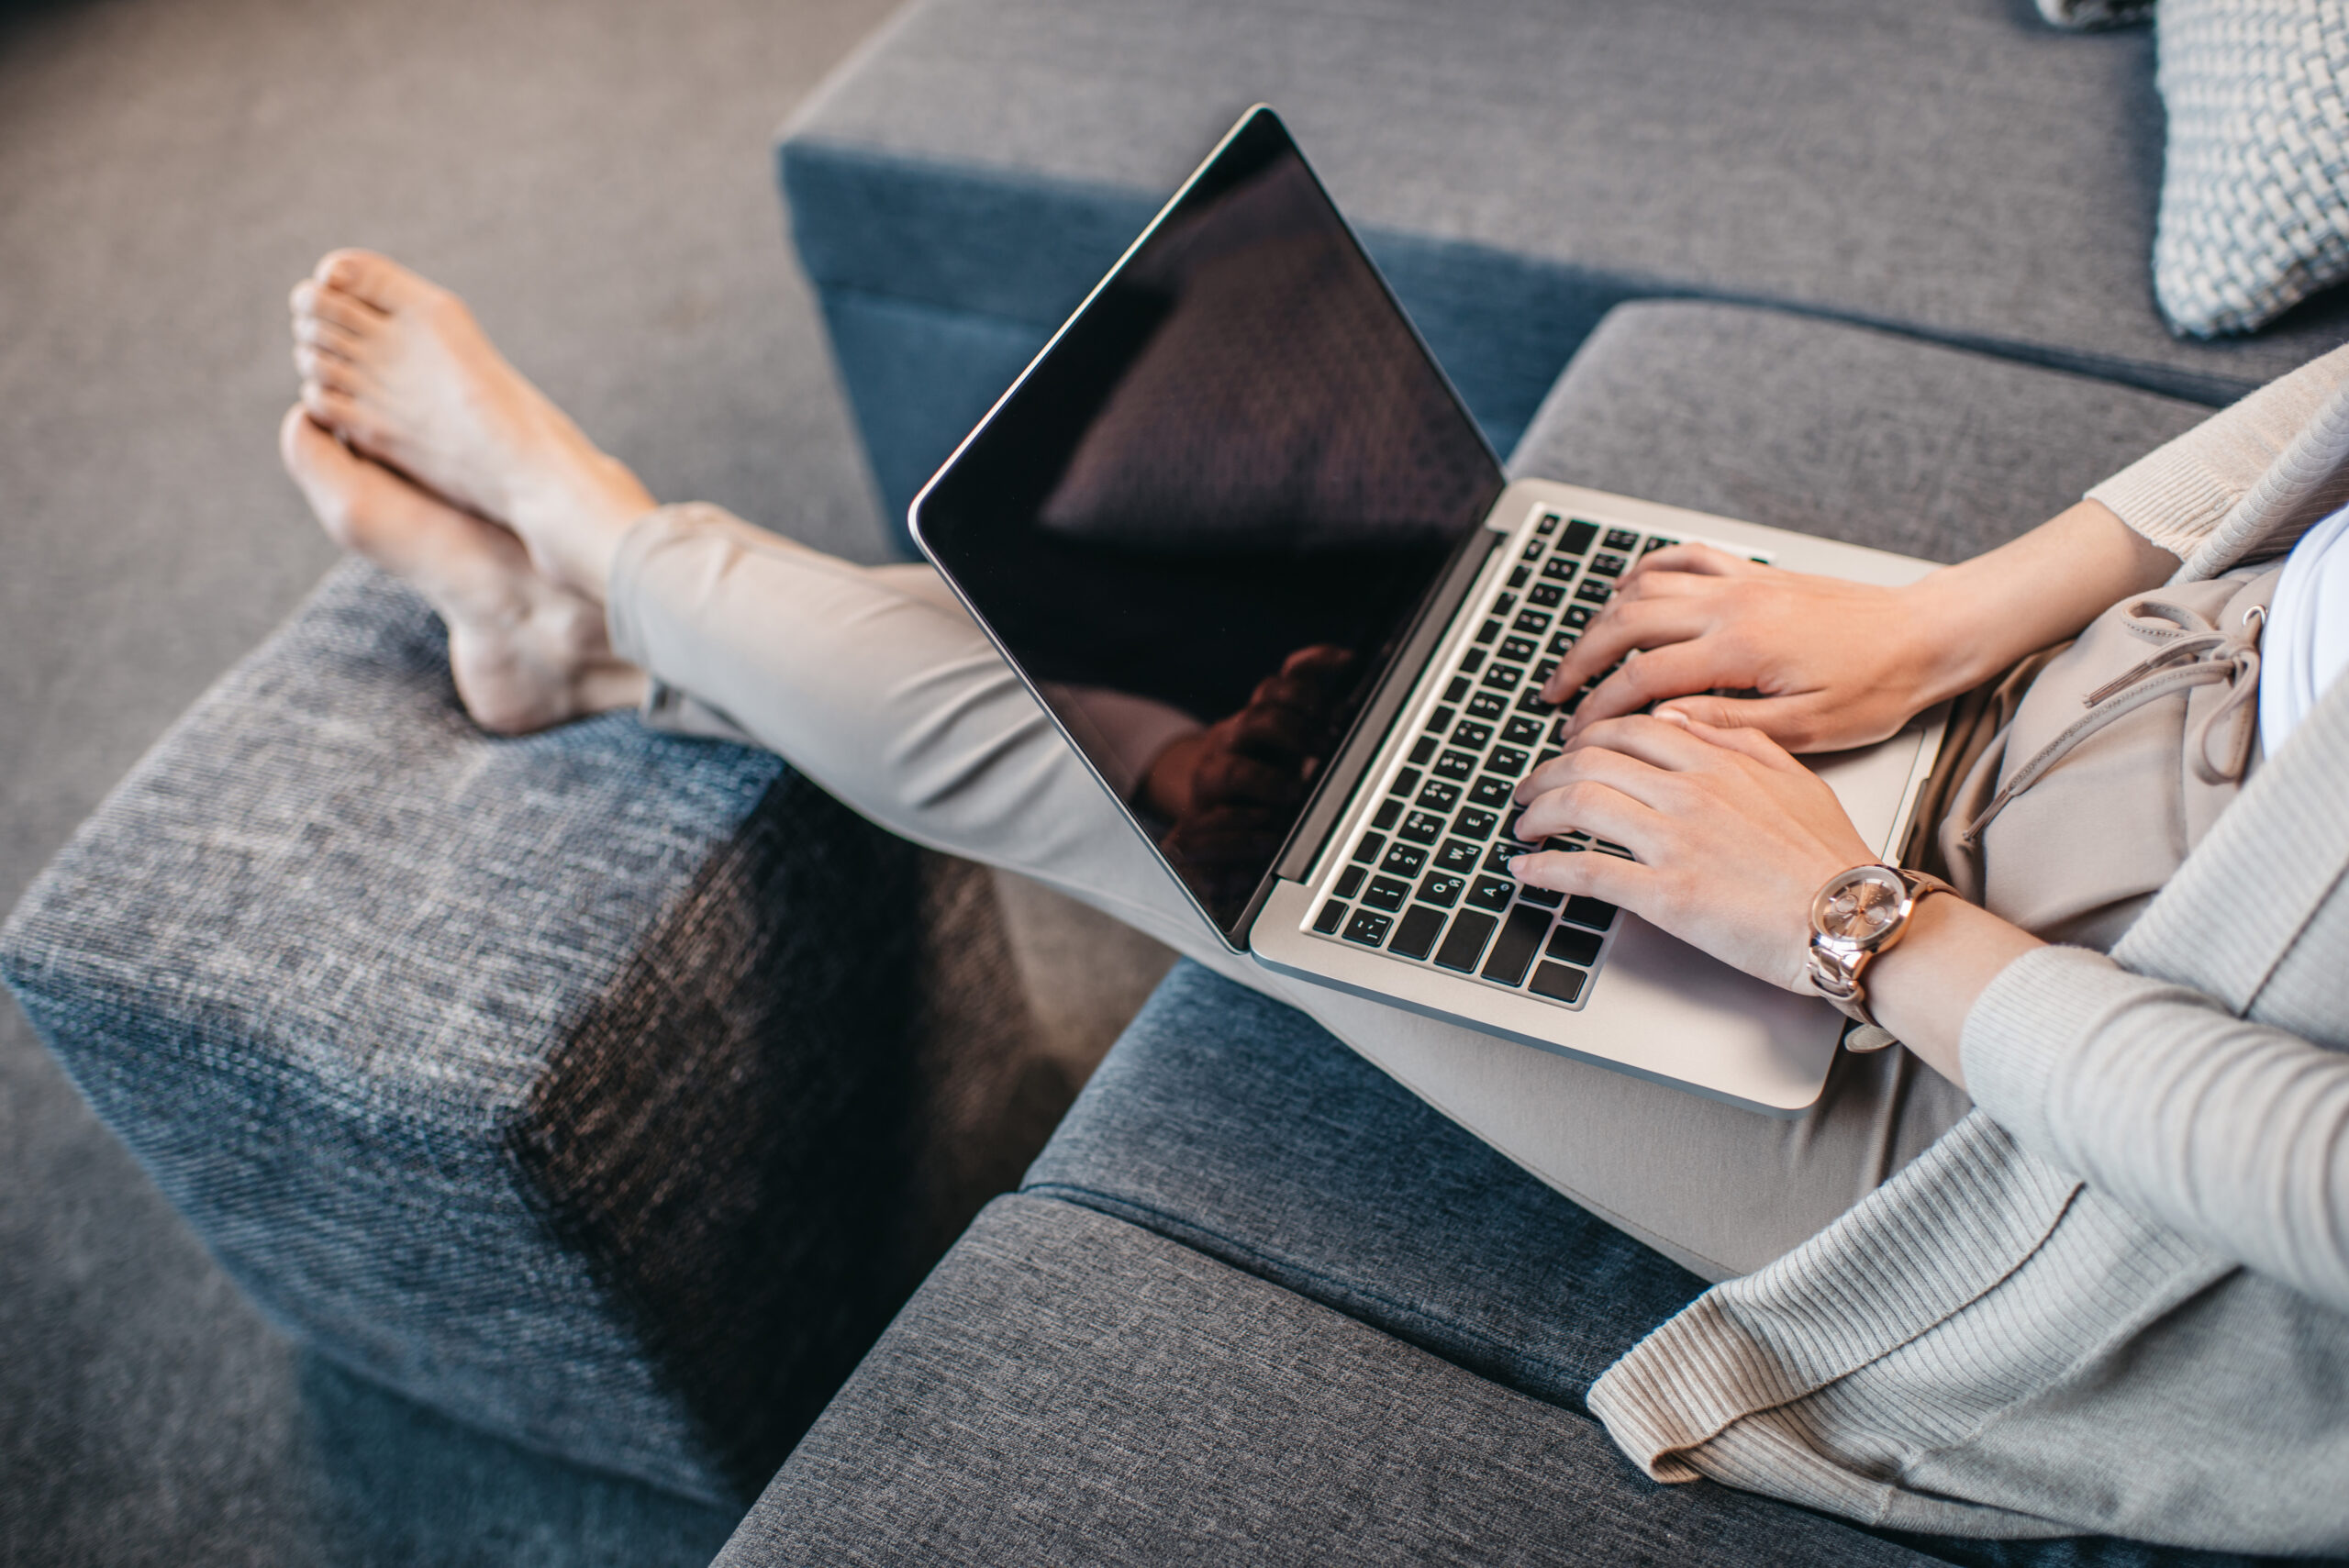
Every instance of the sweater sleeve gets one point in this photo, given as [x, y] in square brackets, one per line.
[2180, 494]
[2234, 1134]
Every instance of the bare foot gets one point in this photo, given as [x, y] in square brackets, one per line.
[527, 652]
[395, 365]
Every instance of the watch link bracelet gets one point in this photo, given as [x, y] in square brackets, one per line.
[1861, 913]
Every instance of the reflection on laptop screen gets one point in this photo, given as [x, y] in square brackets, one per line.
[1205, 520]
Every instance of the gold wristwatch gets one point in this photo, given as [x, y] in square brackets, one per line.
[1861, 913]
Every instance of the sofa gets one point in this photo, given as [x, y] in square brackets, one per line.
[624, 1096]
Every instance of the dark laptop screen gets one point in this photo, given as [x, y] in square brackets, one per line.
[1204, 520]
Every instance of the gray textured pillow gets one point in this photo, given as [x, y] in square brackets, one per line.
[2255, 210]
[2085, 14]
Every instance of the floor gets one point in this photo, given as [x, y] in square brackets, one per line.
[593, 175]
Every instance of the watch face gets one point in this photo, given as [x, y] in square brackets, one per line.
[1859, 905]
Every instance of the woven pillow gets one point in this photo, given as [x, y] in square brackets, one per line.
[2254, 207]
[2081, 14]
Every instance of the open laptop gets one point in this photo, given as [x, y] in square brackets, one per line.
[1236, 463]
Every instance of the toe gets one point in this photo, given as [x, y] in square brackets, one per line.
[338, 411]
[329, 371]
[328, 336]
[372, 280]
[313, 302]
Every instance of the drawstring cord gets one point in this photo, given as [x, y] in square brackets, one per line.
[2194, 653]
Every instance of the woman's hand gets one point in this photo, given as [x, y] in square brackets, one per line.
[1733, 835]
[1833, 663]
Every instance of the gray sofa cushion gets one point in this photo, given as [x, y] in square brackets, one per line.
[1956, 170]
[1068, 1388]
[581, 1086]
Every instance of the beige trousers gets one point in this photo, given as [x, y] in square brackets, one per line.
[874, 682]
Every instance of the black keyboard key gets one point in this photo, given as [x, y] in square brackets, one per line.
[1471, 733]
[1622, 539]
[1489, 630]
[1491, 792]
[1472, 660]
[1503, 849]
[1484, 704]
[1522, 731]
[1386, 894]
[1350, 881]
[1367, 850]
[1506, 760]
[1332, 916]
[1520, 649]
[1405, 783]
[1441, 721]
[1559, 570]
[1593, 591]
[1455, 856]
[1533, 548]
[1423, 749]
[1416, 933]
[1520, 939]
[1656, 543]
[1544, 669]
[1596, 912]
[1423, 827]
[1518, 574]
[1492, 893]
[1618, 850]
[1505, 603]
[1546, 897]
[1440, 796]
[1558, 733]
[1579, 537]
[1464, 943]
[1454, 764]
[1404, 860]
[1383, 818]
[1441, 890]
[1568, 945]
[1457, 689]
[1540, 757]
[1530, 701]
[1557, 982]
[1607, 565]
[1561, 641]
[1548, 523]
[1474, 824]
[1368, 927]
[1544, 593]
[1578, 616]
[1534, 623]
[1504, 677]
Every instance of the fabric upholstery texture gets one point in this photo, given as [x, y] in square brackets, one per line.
[578, 1086]
[2095, 13]
[1957, 171]
[1069, 1388]
[2255, 208]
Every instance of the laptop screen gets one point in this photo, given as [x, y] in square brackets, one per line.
[1205, 518]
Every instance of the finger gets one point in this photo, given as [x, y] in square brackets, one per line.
[1624, 626]
[1322, 658]
[1227, 778]
[1273, 734]
[1744, 739]
[1588, 874]
[1799, 721]
[1589, 805]
[1704, 559]
[1659, 742]
[1677, 670]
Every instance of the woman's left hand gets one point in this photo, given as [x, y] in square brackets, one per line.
[1733, 835]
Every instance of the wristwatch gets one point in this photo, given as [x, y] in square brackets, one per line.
[1861, 913]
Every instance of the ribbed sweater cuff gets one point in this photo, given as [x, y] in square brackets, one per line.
[2169, 498]
[2027, 1025]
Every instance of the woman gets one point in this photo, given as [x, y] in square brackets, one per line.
[2114, 1300]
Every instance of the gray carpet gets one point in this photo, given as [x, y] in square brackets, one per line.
[593, 175]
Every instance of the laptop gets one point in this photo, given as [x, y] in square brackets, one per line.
[1242, 538]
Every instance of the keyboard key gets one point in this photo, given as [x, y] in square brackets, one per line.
[1471, 733]
[1368, 927]
[1548, 523]
[1386, 894]
[1506, 760]
[1530, 701]
[1594, 590]
[1492, 893]
[1456, 857]
[1472, 660]
[1367, 850]
[1543, 593]
[1441, 890]
[1387, 811]
[1501, 850]
[1332, 916]
[1505, 603]
[1657, 543]
[1422, 749]
[1558, 733]
[1622, 539]
[1559, 570]
[1491, 792]
[1457, 689]
[1545, 897]
[1578, 616]
[1464, 943]
[1504, 677]
[1484, 704]
[1596, 912]
[1417, 932]
[1489, 630]
[1350, 881]
[1618, 850]
[1531, 622]
[1454, 764]
[1441, 720]
[1474, 824]
[1520, 649]
[1568, 945]
[1405, 783]
[1549, 756]
[1404, 860]
[1522, 731]
[1607, 565]
[1561, 641]
[1440, 796]
[1557, 982]
[1423, 827]
[1518, 574]
[1544, 669]
[1579, 537]
[1533, 548]
[1521, 938]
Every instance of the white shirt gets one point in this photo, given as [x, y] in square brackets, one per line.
[2306, 644]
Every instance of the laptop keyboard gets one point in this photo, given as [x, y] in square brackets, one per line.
[1428, 880]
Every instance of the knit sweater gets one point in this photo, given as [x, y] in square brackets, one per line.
[2115, 1299]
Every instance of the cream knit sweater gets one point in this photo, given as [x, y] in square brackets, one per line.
[2115, 1299]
